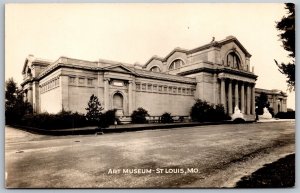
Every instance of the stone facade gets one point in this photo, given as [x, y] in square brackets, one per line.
[276, 98]
[218, 72]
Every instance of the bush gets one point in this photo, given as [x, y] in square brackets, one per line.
[108, 118]
[166, 118]
[62, 120]
[139, 116]
[203, 111]
[285, 115]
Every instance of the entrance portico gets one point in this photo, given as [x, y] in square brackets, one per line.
[237, 91]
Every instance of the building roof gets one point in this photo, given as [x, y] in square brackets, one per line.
[200, 48]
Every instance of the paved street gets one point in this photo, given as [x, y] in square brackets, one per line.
[202, 156]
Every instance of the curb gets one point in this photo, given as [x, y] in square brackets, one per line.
[64, 132]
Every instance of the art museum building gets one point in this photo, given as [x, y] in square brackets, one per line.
[218, 72]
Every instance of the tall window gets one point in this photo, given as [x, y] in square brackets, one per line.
[155, 69]
[176, 64]
[233, 60]
[118, 101]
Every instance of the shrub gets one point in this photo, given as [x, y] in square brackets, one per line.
[62, 120]
[166, 118]
[285, 115]
[108, 118]
[219, 114]
[139, 116]
[203, 111]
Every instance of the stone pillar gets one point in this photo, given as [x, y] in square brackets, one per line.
[30, 95]
[130, 97]
[64, 85]
[248, 100]
[253, 100]
[215, 89]
[36, 97]
[275, 105]
[242, 98]
[236, 94]
[223, 96]
[106, 94]
[230, 97]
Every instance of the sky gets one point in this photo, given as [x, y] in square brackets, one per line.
[133, 33]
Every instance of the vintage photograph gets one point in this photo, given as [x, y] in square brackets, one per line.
[150, 95]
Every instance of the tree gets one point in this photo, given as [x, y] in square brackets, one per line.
[94, 109]
[287, 28]
[15, 106]
[262, 102]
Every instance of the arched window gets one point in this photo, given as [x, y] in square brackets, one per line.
[233, 60]
[118, 101]
[176, 64]
[155, 69]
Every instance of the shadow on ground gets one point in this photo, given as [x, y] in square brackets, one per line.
[279, 174]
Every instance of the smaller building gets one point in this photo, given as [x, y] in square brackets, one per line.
[276, 98]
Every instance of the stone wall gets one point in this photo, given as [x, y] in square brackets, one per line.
[50, 91]
[157, 104]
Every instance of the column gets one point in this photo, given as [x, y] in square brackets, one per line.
[253, 100]
[106, 94]
[130, 99]
[242, 98]
[248, 99]
[223, 96]
[230, 97]
[30, 95]
[215, 90]
[64, 84]
[236, 94]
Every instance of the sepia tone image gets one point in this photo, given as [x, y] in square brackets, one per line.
[150, 95]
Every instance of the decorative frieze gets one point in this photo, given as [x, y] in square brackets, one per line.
[164, 89]
[81, 81]
[49, 85]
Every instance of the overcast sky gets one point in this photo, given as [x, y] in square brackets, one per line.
[134, 32]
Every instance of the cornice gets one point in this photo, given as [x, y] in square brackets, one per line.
[219, 70]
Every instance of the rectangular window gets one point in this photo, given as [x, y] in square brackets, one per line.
[90, 82]
[187, 91]
[81, 80]
[183, 90]
[149, 87]
[154, 87]
[160, 88]
[143, 86]
[72, 80]
[166, 89]
[179, 90]
[138, 86]
[174, 89]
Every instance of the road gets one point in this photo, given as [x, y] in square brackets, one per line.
[202, 156]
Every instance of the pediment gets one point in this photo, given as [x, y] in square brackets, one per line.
[120, 68]
[236, 43]
[25, 66]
